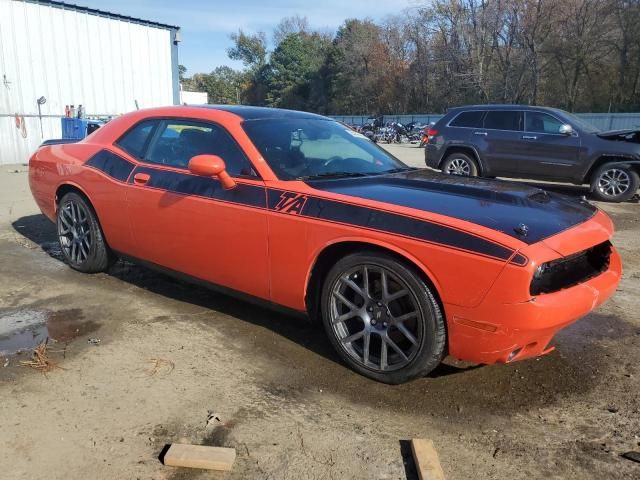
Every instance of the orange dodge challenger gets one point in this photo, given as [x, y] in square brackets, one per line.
[402, 265]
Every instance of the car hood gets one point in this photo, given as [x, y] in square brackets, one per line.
[499, 205]
[628, 135]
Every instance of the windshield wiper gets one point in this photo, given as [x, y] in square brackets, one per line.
[399, 169]
[354, 174]
[333, 175]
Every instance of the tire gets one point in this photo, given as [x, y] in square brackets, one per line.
[370, 326]
[614, 183]
[80, 237]
[460, 164]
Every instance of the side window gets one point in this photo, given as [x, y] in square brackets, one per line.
[471, 119]
[539, 122]
[503, 120]
[136, 140]
[180, 140]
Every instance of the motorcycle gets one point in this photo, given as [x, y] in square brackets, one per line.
[428, 134]
[425, 139]
[369, 130]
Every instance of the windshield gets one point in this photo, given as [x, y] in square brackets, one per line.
[581, 124]
[308, 148]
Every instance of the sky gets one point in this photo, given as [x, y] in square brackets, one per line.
[206, 25]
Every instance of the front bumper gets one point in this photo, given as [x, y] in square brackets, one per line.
[499, 331]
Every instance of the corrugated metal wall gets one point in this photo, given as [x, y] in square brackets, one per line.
[604, 121]
[612, 121]
[404, 119]
[74, 57]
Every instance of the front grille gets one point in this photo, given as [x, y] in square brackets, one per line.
[572, 270]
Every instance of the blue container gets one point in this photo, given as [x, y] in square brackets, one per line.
[74, 128]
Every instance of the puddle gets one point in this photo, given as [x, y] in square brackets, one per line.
[23, 330]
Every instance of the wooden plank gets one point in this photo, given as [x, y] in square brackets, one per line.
[426, 459]
[199, 456]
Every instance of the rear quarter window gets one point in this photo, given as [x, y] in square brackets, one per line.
[137, 138]
[471, 119]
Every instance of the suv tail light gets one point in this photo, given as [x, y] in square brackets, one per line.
[431, 132]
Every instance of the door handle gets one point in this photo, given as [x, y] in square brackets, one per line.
[480, 133]
[141, 178]
[529, 137]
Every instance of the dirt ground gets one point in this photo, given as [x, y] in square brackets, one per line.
[169, 354]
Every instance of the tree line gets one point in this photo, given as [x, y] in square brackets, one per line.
[579, 55]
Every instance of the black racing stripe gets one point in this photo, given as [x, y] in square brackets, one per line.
[324, 209]
[498, 205]
[111, 164]
[250, 195]
[394, 223]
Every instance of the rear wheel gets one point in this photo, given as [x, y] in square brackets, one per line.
[460, 164]
[614, 183]
[382, 319]
[80, 236]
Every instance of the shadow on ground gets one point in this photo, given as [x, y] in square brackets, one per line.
[450, 391]
[297, 328]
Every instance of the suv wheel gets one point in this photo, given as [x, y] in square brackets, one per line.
[460, 164]
[614, 183]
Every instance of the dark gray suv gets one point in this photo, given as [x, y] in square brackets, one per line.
[538, 143]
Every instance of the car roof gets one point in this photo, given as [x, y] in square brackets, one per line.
[260, 113]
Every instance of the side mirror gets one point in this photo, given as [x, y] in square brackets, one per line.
[566, 129]
[211, 166]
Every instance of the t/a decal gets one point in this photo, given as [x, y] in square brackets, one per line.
[291, 203]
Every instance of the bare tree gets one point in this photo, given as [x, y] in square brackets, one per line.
[576, 54]
[578, 43]
[290, 25]
[536, 26]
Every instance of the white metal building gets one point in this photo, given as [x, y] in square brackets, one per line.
[193, 98]
[71, 55]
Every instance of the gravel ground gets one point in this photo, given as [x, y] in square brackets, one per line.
[169, 353]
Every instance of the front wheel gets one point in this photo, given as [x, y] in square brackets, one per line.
[460, 164]
[382, 319]
[614, 183]
[80, 236]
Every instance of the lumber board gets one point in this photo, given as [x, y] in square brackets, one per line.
[426, 459]
[200, 456]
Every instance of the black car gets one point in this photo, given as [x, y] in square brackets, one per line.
[535, 142]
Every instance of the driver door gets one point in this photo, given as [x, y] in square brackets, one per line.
[547, 153]
[189, 223]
